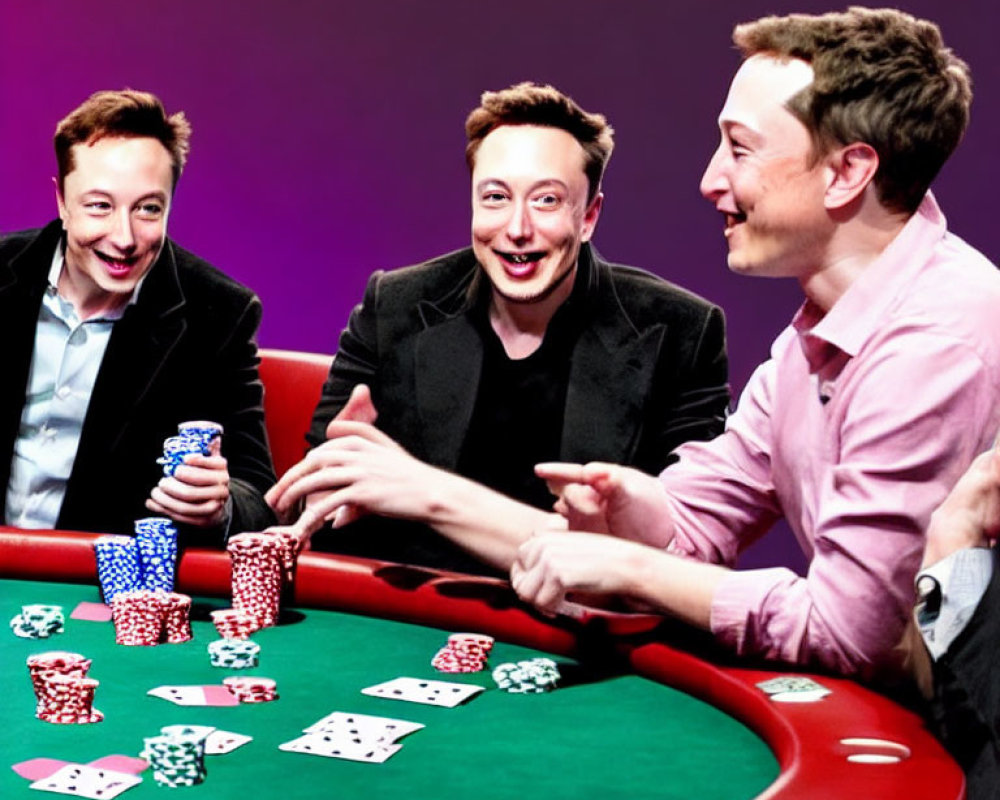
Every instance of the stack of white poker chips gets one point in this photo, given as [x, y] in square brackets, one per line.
[234, 653]
[38, 621]
[177, 754]
[527, 677]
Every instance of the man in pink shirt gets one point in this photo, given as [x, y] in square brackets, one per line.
[875, 398]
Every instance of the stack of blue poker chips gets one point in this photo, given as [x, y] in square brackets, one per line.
[192, 437]
[156, 541]
[117, 565]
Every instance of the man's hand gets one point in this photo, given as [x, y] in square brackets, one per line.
[196, 494]
[608, 498]
[361, 469]
[970, 515]
[359, 408]
[551, 565]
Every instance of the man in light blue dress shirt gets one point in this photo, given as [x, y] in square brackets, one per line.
[116, 335]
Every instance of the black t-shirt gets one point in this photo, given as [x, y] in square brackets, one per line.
[518, 417]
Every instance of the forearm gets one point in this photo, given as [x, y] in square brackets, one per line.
[488, 524]
[679, 587]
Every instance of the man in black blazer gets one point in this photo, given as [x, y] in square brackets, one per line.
[113, 335]
[958, 619]
[526, 347]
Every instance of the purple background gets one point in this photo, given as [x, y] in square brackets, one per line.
[328, 135]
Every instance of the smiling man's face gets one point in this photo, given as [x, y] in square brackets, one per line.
[114, 207]
[763, 177]
[530, 212]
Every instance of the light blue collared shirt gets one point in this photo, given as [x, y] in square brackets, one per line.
[948, 593]
[64, 367]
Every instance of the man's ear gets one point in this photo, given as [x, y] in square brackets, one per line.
[590, 217]
[60, 202]
[851, 169]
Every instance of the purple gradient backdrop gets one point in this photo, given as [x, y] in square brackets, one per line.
[328, 135]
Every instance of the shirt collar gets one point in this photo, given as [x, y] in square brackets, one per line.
[859, 312]
[55, 270]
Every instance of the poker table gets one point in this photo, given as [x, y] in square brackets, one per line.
[636, 714]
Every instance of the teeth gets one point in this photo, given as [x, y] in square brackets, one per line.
[519, 258]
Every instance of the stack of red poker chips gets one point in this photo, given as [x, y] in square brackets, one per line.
[176, 617]
[465, 652]
[143, 617]
[64, 693]
[259, 565]
[252, 690]
[233, 624]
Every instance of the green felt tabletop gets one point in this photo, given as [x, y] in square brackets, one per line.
[605, 737]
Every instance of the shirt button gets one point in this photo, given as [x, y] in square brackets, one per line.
[63, 392]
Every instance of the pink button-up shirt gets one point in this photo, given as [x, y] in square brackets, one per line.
[854, 431]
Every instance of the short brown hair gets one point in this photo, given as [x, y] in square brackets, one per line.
[881, 77]
[533, 104]
[126, 113]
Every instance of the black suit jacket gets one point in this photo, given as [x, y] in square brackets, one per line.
[965, 710]
[185, 350]
[648, 371]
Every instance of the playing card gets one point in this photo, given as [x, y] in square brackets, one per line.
[792, 685]
[419, 690]
[117, 763]
[80, 780]
[34, 769]
[800, 696]
[323, 744]
[364, 727]
[92, 612]
[221, 742]
[196, 695]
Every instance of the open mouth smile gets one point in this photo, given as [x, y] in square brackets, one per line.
[117, 264]
[520, 258]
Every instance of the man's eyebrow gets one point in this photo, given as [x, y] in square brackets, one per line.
[741, 130]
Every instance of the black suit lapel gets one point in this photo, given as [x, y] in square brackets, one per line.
[22, 283]
[448, 359]
[600, 424]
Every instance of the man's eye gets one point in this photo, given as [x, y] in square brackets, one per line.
[738, 150]
[150, 210]
[97, 206]
[493, 198]
[546, 201]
